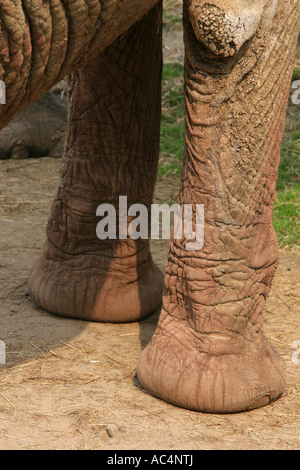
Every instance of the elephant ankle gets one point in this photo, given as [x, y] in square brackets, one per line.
[216, 373]
[97, 286]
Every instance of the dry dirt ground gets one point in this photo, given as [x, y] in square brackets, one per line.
[68, 384]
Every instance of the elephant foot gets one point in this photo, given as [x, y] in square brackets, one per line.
[96, 288]
[210, 372]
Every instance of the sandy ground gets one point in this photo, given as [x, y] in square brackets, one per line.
[68, 384]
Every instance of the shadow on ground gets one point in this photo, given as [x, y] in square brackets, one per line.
[66, 382]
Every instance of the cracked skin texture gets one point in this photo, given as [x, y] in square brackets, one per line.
[112, 149]
[43, 41]
[224, 26]
[208, 352]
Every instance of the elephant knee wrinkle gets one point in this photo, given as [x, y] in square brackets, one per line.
[224, 26]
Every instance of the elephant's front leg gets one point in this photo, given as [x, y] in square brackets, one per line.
[111, 150]
[208, 352]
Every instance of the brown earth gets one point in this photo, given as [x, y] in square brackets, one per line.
[68, 384]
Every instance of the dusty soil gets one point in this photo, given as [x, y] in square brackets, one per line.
[66, 384]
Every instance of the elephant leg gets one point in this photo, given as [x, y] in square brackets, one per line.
[111, 150]
[41, 42]
[208, 352]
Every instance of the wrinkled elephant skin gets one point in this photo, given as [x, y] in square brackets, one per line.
[111, 149]
[208, 352]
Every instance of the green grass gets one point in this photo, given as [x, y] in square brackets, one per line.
[172, 17]
[296, 73]
[286, 215]
[172, 120]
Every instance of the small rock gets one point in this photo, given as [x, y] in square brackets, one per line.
[112, 429]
